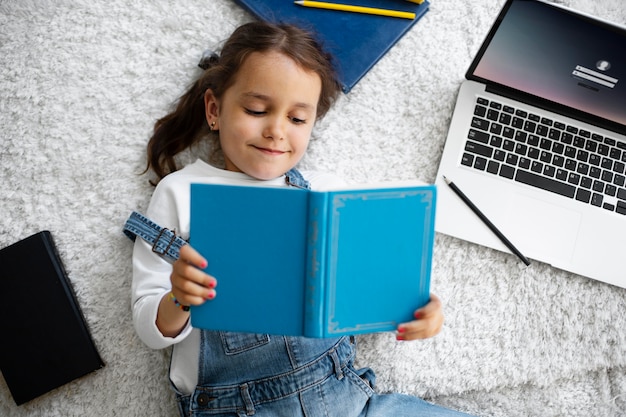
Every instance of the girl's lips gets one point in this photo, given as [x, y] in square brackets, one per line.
[270, 151]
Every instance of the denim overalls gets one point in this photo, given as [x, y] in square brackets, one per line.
[242, 374]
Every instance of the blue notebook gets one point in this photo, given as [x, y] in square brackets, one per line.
[310, 263]
[356, 40]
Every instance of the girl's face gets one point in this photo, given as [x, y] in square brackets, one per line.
[265, 118]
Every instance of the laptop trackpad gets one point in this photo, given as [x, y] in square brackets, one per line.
[547, 231]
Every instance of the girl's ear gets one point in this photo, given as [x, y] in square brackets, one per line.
[211, 109]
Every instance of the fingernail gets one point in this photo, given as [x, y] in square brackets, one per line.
[210, 296]
[211, 284]
[203, 264]
[401, 329]
[417, 315]
[399, 337]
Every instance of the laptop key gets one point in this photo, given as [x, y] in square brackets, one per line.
[558, 161]
[583, 195]
[610, 189]
[467, 159]
[495, 128]
[615, 154]
[536, 167]
[477, 148]
[554, 134]
[586, 183]
[621, 207]
[481, 124]
[518, 122]
[598, 186]
[594, 159]
[596, 199]
[480, 163]
[480, 111]
[567, 138]
[548, 184]
[512, 159]
[496, 141]
[507, 171]
[604, 149]
[524, 163]
[479, 136]
[558, 147]
[542, 130]
[549, 171]
[579, 142]
[493, 167]
[530, 126]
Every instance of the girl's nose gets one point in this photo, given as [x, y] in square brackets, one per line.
[274, 129]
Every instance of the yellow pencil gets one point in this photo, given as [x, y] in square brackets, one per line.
[356, 9]
[416, 1]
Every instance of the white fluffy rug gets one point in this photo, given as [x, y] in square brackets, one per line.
[81, 84]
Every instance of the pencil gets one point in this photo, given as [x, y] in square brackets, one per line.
[355, 9]
[416, 1]
[485, 220]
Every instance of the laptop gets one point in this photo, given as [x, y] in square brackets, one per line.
[537, 141]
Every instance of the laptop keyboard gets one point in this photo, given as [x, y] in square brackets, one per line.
[547, 154]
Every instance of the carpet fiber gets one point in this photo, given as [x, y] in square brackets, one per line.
[81, 84]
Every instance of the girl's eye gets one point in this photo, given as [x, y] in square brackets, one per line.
[254, 112]
[298, 121]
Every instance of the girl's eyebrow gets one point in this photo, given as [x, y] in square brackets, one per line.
[267, 98]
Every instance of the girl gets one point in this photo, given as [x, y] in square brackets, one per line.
[259, 99]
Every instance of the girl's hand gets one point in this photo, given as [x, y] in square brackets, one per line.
[190, 285]
[429, 320]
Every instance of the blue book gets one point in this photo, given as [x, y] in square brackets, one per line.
[313, 263]
[356, 40]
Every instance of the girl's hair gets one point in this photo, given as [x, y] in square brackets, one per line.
[187, 125]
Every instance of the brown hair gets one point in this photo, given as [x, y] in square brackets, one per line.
[187, 125]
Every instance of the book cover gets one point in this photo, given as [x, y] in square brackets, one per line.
[313, 263]
[47, 343]
[356, 40]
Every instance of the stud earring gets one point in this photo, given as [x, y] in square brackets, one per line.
[212, 126]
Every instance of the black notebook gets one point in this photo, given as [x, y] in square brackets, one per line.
[46, 342]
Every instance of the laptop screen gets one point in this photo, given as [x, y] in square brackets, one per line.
[573, 64]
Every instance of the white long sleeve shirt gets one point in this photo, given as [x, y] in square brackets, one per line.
[170, 207]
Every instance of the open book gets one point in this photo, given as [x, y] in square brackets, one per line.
[313, 263]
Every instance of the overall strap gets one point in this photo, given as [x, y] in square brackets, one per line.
[294, 178]
[164, 241]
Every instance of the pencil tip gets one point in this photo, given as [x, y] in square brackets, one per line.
[447, 181]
